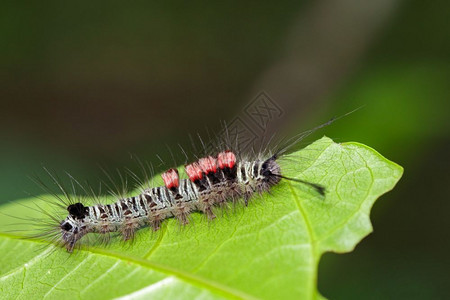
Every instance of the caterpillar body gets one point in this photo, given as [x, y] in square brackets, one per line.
[213, 181]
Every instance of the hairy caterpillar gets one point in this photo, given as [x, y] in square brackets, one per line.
[213, 181]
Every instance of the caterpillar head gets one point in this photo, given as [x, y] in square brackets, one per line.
[72, 228]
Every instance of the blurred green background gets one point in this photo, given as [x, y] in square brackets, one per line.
[89, 83]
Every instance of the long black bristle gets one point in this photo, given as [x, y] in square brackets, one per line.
[319, 188]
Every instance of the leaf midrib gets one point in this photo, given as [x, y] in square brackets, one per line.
[311, 238]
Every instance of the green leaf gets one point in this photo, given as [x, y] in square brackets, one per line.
[270, 249]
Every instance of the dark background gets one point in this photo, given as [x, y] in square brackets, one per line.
[88, 83]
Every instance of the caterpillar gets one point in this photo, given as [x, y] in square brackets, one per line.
[213, 180]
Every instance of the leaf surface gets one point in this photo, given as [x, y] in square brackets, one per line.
[270, 249]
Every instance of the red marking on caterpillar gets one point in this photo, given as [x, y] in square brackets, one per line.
[194, 171]
[208, 164]
[171, 179]
[226, 159]
[213, 180]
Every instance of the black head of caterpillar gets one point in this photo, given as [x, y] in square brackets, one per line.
[73, 227]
